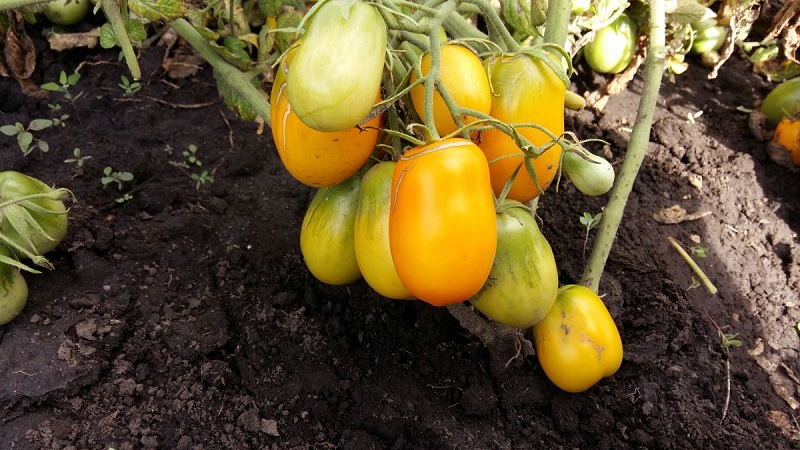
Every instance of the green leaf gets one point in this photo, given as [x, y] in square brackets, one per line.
[107, 37]
[688, 11]
[157, 9]
[53, 87]
[136, 30]
[24, 140]
[9, 130]
[72, 80]
[63, 78]
[236, 102]
[43, 146]
[40, 124]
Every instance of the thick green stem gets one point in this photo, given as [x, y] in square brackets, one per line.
[237, 80]
[636, 151]
[555, 29]
[114, 15]
[460, 28]
[496, 24]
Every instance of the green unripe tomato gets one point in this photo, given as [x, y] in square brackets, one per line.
[613, 47]
[783, 101]
[67, 12]
[13, 290]
[708, 36]
[592, 175]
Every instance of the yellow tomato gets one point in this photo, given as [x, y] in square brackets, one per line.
[463, 75]
[577, 343]
[787, 135]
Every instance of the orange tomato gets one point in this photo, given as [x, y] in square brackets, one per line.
[442, 224]
[525, 91]
[317, 158]
[787, 135]
[463, 75]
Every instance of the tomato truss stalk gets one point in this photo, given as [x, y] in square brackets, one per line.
[636, 150]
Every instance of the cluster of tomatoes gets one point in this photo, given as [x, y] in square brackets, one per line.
[445, 218]
[33, 221]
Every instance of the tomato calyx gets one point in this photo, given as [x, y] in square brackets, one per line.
[17, 213]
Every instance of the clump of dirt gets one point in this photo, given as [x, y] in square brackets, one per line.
[182, 316]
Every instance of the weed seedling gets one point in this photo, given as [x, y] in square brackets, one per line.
[129, 87]
[65, 82]
[727, 340]
[191, 161]
[589, 221]
[110, 176]
[191, 156]
[79, 159]
[202, 178]
[25, 139]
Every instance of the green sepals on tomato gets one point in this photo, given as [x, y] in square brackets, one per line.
[32, 226]
[613, 46]
[327, 233]
[317, 158]
[526, 90]
[335, 76]
[577, 343]
[442, 225]
[783, 102]
[373, 252]
[13, 289]
[462, 74]
[67, 12]
[591, 174]
[523, 283]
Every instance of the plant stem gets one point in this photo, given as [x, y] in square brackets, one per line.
[636, 150]
[555, 29]
[697, 270]
[114, 16]
[14, 4]
[496, 24]
[233, 76]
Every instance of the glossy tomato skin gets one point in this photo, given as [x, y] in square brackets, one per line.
[317, 158]
[787, 135]
[613, 47]
[463, 75]
[783, 101]
[708, 36]
[591, 175]
[13, 290]
[523, 283]
[373, 253]
[67, 12]
[53, 222]
[326, 236]
[525, 91]
[336, 73]
[442, 226]
[578, 343]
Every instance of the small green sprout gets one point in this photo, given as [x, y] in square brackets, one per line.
[111, 176]
[25, 139]
[78, 158]
[129, 87]
[589, 221]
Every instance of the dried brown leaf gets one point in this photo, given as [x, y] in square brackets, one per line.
[65, 41]
[786, 25]
[18, 51]
[743, 13]
[183, 65]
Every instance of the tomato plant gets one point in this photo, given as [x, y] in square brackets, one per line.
[577, 343]
[373, 253]
[317, 158]
[464, 77]
[523, 283]
[326, 235]
[613, 46]
[787, 135]
[442, 226]
[13, 289]
[67, 12]
[35, 225]
[591, 174]
[783, 101]
[336, 73]
[525, 91]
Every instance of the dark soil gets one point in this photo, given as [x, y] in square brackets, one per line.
[184, 318]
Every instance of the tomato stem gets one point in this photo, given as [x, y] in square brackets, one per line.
[114, 15]
[636, 150]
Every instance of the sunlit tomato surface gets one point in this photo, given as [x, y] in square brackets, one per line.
[613, 47]
[13, 290]
[317, 158]
[372, 233]
[591, 174]
[67, 12]
[50, 216]
[577, 343]
[464, 77]
[708, 36]
[523, 282]
[336, 74]
[526, 91]
[783, 101]
[442, 225]
[326, 235]
[787, 135]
